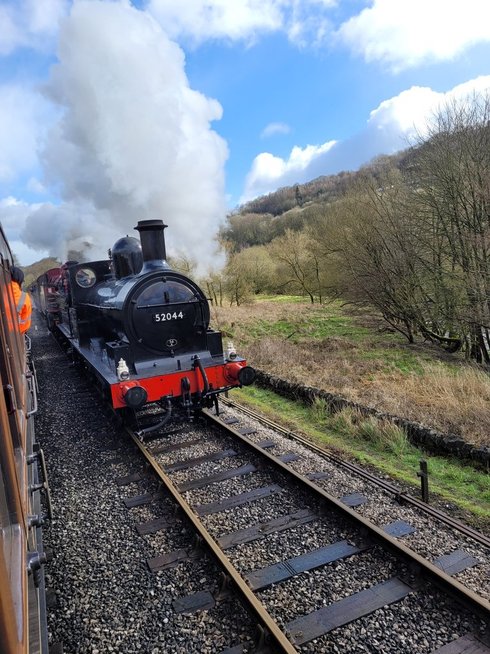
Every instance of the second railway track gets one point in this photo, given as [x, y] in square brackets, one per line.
[216, 480]
[360, 472]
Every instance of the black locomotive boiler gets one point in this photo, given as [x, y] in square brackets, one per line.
[143, 329]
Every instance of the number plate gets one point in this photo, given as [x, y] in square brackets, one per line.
[167, 316]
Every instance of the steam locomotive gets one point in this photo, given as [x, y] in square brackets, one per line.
[142, 328]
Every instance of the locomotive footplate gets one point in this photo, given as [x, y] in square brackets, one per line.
[180, 378]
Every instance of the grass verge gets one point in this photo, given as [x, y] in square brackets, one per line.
[352, 354]
[382, 446]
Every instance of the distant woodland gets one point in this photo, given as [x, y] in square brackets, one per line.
[407, 235]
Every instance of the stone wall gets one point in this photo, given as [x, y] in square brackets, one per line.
[418, 434]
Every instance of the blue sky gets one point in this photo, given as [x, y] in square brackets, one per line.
[112, 111]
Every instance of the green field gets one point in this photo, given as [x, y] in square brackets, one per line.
[332, 321]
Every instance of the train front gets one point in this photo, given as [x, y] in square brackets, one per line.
[148, 331]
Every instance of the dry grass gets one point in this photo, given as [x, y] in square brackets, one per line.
[459, 401]
[451, 397]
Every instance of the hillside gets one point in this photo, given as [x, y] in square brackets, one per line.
[33, 271]
[265, 218]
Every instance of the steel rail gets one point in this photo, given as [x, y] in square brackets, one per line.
[458, 591]
[279, 639]
[406, 498]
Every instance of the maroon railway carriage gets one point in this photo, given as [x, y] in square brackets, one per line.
[47, 295]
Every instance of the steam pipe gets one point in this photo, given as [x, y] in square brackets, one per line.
[198, 364]
[141, 433]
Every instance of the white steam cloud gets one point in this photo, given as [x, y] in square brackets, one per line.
[134, 141]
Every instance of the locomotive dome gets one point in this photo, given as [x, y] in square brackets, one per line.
[127, 257]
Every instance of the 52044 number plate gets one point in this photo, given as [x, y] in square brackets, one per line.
[166, 317]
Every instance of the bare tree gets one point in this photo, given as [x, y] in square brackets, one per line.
[214, 286]
[237, 286]
[298, 263]
[416, 246]
[183, 263]
[376, 254]
[452, 176]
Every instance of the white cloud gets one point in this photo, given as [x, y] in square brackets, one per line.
[275, 128]
[134, 141]
[201, 20]
[402, 33]
[269, 172]
[13, 216]
[30, 24]
[390, 128]
[217, 18]
[26, 255]
[407, 33]
[34, 185]
[10, 34]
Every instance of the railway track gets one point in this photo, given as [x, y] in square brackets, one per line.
[210, 479]
[310, 572]
[401, 497]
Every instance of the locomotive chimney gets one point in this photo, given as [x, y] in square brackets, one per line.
[152, 244]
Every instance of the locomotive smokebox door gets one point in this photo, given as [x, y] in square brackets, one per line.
[168, 316]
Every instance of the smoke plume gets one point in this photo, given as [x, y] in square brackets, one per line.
[133, 141]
